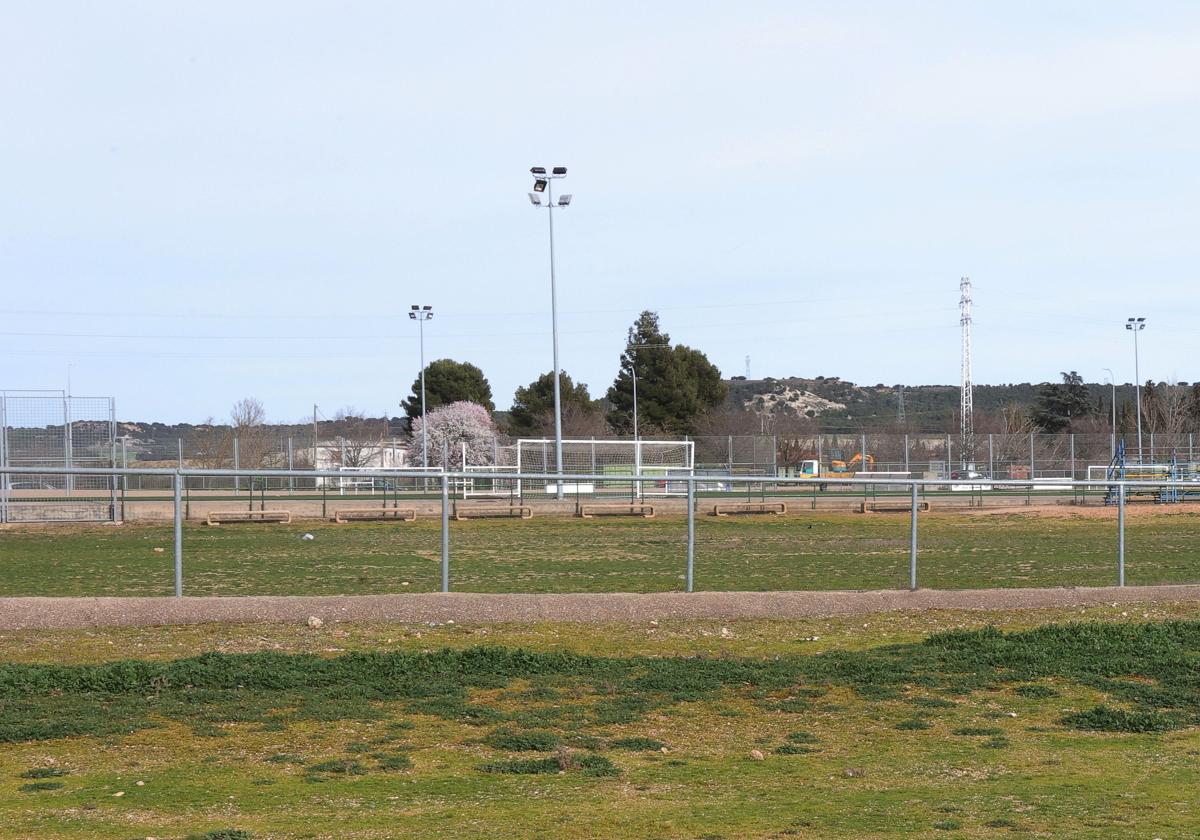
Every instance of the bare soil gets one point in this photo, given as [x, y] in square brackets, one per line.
[61, 613]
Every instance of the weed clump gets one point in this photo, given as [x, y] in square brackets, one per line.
[221, 834]
[587, 764]
[1109, 719]
[802, 737]
[913, 723]
[1036, 692]
[528, 741]
[44, 773]
[792, 749]
[393, 761]
[339, 767]
[636, 744]
[37, 787]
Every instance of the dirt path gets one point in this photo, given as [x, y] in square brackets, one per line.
[465, 608]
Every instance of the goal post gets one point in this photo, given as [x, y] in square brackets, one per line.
[663, 459]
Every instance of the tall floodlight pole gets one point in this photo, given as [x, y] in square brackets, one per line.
[421, 314]
[1112, 438]
[966, 403]
[1136, 325]
[543, 183]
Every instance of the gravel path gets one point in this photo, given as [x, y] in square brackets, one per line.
[466, 608]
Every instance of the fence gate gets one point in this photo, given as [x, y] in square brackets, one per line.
[51, 429]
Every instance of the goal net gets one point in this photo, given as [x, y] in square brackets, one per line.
[665, 460]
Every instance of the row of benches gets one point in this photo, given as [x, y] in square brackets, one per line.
[497, 509]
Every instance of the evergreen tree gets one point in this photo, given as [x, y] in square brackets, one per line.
[448, 381]
[1059, 404]
[532, 410]
[675, 385]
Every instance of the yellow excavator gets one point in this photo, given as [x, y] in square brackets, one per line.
[839, 467]
[839, 464]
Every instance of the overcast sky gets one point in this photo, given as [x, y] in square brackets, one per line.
[207, 201]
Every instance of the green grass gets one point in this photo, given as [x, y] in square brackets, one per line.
[1105, 754]
[806, 551]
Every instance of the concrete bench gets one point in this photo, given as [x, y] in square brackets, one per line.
[481, 510]
[777, 508]
[374, 515]
[890, 507]
[612, 509]
[228, 517]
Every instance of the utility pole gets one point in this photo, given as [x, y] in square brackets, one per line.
[967, 400]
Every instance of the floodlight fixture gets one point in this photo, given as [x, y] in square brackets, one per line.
[564, 200]
[559, 171]
[538, 170]
[539, 185]
[535, 199]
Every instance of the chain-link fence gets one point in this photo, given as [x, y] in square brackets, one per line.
[838, 551]
[53, 430]
[999, 456]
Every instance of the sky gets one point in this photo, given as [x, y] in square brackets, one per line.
[202, 202]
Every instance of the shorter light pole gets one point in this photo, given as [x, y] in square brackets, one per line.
[1112, 445]
[421, 314]
[1136, 325]
[633, 373]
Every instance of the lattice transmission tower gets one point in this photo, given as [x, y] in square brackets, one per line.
[967, 403]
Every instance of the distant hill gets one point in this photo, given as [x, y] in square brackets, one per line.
[837, 404]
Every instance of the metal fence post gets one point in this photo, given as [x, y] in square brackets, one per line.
[691, 530]
[292, 466]
[1121, 534]
[237, 481]
[1071, 438]
[113, 480]
[991, 458]
[906, 469]
[912, 542]
[177, 481]
[1032, 462]
[445, 531]
[4, 479]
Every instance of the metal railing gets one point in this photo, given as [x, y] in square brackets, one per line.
[177, 477]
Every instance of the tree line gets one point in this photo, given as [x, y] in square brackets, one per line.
[677, 386]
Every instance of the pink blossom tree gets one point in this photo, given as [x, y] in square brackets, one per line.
[451, 426]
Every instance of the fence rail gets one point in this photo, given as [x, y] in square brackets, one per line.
[1118, 489]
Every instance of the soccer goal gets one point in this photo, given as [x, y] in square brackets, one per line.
[667, 461]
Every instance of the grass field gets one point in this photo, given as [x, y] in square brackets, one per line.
[810, 551]
[936, 724]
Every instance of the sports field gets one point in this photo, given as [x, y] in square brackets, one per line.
[817, 550]
[937, 724]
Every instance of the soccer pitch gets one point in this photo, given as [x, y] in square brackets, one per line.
[810, 551]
